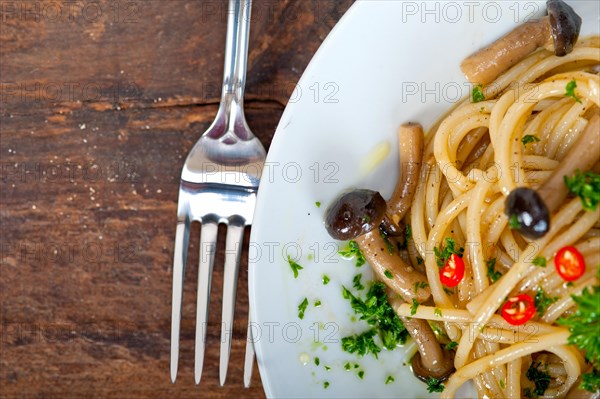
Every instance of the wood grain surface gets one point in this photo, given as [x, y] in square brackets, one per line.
[100, 103]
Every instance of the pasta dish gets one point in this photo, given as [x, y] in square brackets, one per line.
[489, 247]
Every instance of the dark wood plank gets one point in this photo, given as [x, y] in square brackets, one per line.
[99, 106]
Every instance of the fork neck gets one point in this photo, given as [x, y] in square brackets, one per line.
[236, 55]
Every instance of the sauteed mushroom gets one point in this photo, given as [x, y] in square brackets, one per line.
[533, 208]
[557, 32]
[410, 146]
[357, 216]
[430, 360]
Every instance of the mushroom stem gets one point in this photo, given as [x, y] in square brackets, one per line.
[405, 280]
[431, 360]
[558, 32]
[584, 153]
[488, 63]
[410, 148]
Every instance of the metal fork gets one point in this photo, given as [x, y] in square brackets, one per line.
[219, 182]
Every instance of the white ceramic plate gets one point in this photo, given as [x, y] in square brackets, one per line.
[385, 63]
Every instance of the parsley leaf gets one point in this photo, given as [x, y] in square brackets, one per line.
[326, 279]
[591, 381]
[540, 378]
[570, 90]
[377, 312]
[584, 324]
[513, 222]
[388, 243]
[362, 344]
[295, 266]
[451, 345]
[477, 94]
[326, 384]
[388, 274]
[491, 272]
[587, 187]
[437, 312]
[353, 251]
[389, 380]
[414, 306]
[420, 284]
[539, 261]
[317, 303]
[302, 308]
[318, 204]
[356, 282]
[542, 301]
[434, 385]
[442, 254]
[528, 138]
[317, 361]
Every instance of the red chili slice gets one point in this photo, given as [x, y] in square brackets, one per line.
[453, 271]
[518, 309]
[569, 263]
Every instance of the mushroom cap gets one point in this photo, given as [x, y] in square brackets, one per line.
[355, 213]
[565, 25]
[444, 369]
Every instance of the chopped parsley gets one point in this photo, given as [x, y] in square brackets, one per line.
[477, 96]
[587, 187]
[317, 361]
[353, 251]
[539, 261]
[437, 312]
[448, 291]
[540, 378]
[442, 254]
[502, 385]
[326, 279]
[302, 308]
[388, 274]
[327, 368]
[419, 260]
[356, 282]
[318, 204]
[491, 272]
[361, 374]
[388, 243]
[570, 90]
[362, 344]
[317, 303]
[584, 325]
[326, 384]
[347, 366]
[591, 381]
[378, 313]
[407, 236]
[434, 385]
[513, 222]
[529, 138]
[413, 308]
[451, 345]
[389, 380]
[420, 284]
[295, 266]
[542, 301]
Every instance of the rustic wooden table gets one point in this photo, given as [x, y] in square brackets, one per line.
[100, 103]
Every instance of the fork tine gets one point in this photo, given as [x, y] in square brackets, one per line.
[182, 238]
[249, 359]
[233, 248]
[208, 239]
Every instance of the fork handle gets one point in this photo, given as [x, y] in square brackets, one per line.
[236, 51]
